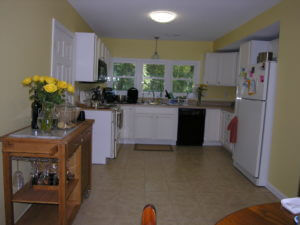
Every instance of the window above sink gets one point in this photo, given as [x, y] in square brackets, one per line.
[154, 76]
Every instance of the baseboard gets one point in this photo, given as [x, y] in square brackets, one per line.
[275, 191]
[155, 142]
[126, 141]
[146, 141]
[212, 143]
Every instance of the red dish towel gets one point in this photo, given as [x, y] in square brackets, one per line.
[232, 127]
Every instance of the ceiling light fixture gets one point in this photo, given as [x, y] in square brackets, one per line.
[162, 16]
[155, 55]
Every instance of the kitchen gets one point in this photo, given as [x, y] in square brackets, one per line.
[37, 59]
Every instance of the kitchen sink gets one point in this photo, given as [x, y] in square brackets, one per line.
[107, 106]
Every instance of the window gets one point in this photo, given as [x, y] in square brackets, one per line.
[182, 78]
[153, 77]
[147, 75]
[123, 76]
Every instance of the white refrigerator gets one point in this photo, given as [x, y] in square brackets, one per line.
[254, 109]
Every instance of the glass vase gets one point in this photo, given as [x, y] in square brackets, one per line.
[45, 119]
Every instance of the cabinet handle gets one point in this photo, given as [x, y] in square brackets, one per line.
[82, 139]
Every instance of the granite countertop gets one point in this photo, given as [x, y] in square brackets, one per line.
[226, 106]
[223, 105]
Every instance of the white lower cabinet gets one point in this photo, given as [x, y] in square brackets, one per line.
[144, 127]
[127, 131]
[225, 134]
[102, 139]
[212, 127]
[149, 125]
[156, 124]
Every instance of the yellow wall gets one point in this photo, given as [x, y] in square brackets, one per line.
[284, 171]
[25, 43]
[172, 50]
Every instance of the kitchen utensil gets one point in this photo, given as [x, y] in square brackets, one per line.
[132, 95]
[81, 116]
[18, 178]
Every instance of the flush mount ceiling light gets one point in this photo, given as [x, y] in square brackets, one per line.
[162, 16]
[155, 55]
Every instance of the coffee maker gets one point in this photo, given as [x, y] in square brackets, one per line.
[132, 95]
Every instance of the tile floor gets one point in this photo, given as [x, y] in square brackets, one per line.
[190, 186]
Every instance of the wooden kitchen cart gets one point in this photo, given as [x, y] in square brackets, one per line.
[50, 204]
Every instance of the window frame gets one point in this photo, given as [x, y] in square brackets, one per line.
[195, 78]
[111, 73]
[168, 77]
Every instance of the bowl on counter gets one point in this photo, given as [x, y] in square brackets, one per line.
[67, 115]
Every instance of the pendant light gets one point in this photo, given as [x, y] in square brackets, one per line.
[155, 55]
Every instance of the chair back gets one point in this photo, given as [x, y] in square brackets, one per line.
[149, 215]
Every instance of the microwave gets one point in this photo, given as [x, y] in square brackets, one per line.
[102, 71]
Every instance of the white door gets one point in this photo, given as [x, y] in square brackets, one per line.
[249, 138]
[62, 52]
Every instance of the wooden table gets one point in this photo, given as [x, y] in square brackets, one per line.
[266, 214]
[50, 204]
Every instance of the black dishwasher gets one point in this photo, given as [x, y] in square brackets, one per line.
[190, 126]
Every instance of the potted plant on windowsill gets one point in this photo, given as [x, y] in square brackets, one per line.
[201, 90]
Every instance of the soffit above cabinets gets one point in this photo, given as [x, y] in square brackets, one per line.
[198, 20]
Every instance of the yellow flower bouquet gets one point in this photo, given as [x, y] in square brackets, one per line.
[48, 92]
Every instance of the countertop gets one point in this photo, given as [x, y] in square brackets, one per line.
[222, 105]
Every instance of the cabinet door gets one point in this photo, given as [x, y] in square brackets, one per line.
[86, 161]
[86, 57]
[223, 127]
[144, 127]
[244, 57]
[227, 69]
[249, 52]
[128, 122]
[211, 68]
[227, 144]
[166, 127]
[212, 126]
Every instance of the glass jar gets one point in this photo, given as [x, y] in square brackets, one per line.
[45, 118]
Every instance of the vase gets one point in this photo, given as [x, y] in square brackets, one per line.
[45, 118]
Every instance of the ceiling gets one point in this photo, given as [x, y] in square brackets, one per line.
[198, 20]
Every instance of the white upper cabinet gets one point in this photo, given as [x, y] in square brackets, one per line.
[220, 69]
[249, 52]
[211, 68]
[227, 69]
[86, 62]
